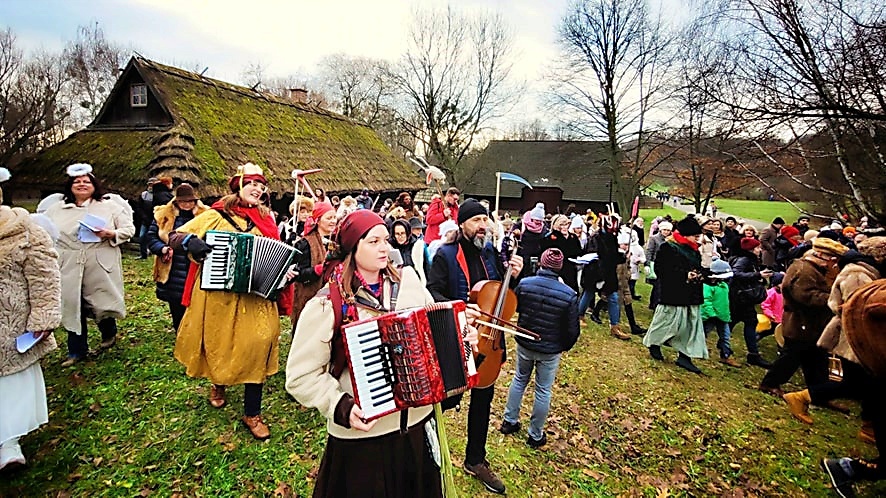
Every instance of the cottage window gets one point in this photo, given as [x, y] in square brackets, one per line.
[139, 95]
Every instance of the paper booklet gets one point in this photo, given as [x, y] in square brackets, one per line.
[88, 226]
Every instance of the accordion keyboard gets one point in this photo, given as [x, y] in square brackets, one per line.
[216, 267]
[371, 369]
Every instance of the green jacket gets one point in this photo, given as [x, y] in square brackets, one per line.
[716, 302]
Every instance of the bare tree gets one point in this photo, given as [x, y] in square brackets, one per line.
[609, 81]
[455, 75]
[528, 130]
[362, 88]
[814, 70]
[92, 64]
[29, 108]
[253, 75]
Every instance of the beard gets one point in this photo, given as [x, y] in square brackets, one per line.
[480, 238]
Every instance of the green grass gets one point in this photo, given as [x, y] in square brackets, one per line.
[130, 423]
[649, 214]
[764, 211]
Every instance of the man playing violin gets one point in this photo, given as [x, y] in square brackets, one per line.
[455, 268]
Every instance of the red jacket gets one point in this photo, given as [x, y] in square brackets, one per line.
[435, 217]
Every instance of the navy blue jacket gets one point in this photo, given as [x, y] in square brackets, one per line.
[549, 308]
[447, 281]
[172, 290]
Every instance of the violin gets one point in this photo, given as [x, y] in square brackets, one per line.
[498, 303]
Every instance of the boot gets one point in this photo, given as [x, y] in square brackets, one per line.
[257, 427]
[798, 403]
[655, 353]
[635, 329]
[616, 332]
[757, 360]
[866, 434]
[684, 361]
[108, 328]
[217, 396]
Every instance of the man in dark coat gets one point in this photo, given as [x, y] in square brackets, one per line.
[606, 243]
[806, 288]
[455, 268]
[767, 240]
[549, 308]
[747, 281]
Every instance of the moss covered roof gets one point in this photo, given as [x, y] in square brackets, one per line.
[216, 127]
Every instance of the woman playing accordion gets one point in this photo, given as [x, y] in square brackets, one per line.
[362, 458]
[230, 338]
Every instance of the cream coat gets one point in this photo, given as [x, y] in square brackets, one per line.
[91, 272]
[307, 370]
[851, 277]
[30, 292]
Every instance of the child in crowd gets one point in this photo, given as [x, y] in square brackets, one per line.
[715, 309]
[773, 306]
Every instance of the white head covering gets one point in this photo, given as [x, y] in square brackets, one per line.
[538, 212]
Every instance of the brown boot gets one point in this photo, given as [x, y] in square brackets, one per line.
[616, 332]
[798, 403]
[217, 396]
[866, 434]
[257, 427]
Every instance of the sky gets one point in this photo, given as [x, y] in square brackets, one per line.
[287, 37]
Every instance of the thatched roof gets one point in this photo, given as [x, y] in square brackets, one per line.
[215, 126]
[578, 168]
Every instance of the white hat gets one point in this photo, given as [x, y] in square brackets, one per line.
[835, 225]
[624, 238]
[577, 222]
[4, 175]
[665, 225]
[538, 212]
[79, 169]
[447, 226]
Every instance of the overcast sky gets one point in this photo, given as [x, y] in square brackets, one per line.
[286, 36]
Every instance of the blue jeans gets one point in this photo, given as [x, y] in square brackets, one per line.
[587, 298]
[143, 241]
[724, 334]
[614, 310]
[545, 365]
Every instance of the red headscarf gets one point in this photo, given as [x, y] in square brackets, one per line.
[320, 209]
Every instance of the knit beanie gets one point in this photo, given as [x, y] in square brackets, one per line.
[688, 226]
[665, 225]
[577, 222]
[469, 208]
[354, 227]
[721, 269]
[538, 212]
[778, 221]
[748, 244]
[789, 231]
[552, 259]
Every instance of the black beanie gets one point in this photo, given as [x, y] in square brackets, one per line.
[688, 226]
[469, 208]
[778, 221]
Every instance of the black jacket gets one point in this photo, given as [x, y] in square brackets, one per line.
[162, 195]
[549, 308]
[745, 276]
[610, 258]
[571, 248]
[174, 287]
[672, 265]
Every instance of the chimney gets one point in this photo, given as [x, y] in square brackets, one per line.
[298, 95]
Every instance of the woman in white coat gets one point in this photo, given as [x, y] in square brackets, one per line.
[92, 225]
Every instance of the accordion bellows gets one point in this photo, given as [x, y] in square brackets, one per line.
[410, 358]
[243, 262]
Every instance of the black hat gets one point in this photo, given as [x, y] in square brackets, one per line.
[415, 222]
[469, 208]
[688, 226]
[778, 221]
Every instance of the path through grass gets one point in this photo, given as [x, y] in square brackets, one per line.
[129, 423]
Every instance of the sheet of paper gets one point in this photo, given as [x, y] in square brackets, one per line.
[88, 225]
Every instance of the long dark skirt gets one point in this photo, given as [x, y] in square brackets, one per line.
[393, 465]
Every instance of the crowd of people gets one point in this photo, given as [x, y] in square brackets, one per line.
[356, 258]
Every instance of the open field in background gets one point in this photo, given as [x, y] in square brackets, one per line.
[129, 423]
[765, 211]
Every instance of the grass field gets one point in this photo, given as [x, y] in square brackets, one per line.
[765, 211]
[129, 423]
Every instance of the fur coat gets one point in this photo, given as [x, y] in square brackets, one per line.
[30, 290]
[853, 276]
[165, 217]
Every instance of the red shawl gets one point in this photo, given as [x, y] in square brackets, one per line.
[684, 241]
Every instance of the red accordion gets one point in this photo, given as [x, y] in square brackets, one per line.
[409, 358]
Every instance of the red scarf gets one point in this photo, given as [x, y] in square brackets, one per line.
[265, 224]
[684, 241]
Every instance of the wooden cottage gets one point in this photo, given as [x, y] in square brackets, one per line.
[561, 173]
[163, 121]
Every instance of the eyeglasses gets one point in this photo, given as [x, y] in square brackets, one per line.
[255, 183]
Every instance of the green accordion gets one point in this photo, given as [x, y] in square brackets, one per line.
[245, 263]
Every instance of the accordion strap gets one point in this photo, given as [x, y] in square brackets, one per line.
[249, 224]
